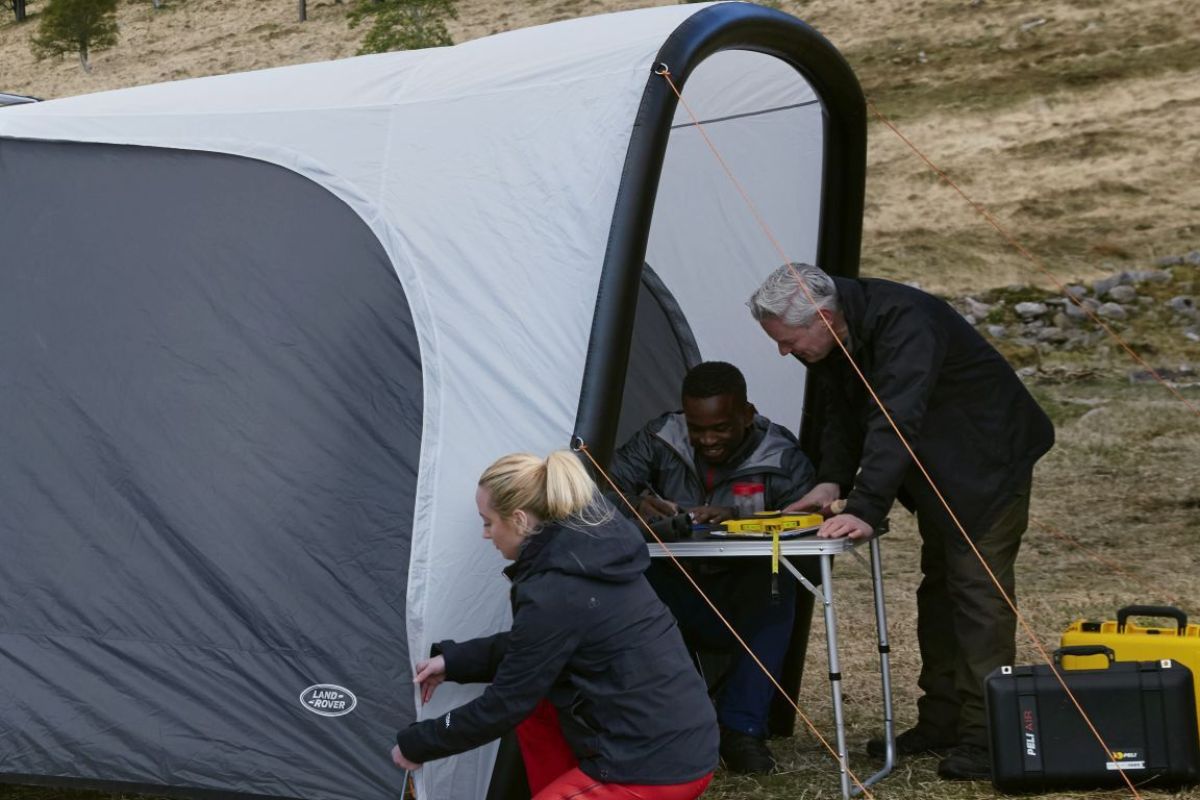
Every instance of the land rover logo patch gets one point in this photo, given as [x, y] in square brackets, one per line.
[328, 700]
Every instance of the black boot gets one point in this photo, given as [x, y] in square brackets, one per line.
[915, 741]
[966, 762]
[746, 754]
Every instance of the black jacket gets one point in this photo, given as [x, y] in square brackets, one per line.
[660, 456]
[967, 415]
[590, 635]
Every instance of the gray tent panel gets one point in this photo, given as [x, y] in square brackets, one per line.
[662, 350]
[210, 421]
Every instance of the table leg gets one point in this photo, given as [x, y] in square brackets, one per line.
[885, 671]
[825, 594]
[835, 675]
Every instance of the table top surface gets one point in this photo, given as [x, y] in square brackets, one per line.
[725, 547]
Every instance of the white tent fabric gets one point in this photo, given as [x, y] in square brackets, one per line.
[711, 246]
[489, 173]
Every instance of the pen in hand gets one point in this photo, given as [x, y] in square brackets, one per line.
[656, 505]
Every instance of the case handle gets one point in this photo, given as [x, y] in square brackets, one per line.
[1084, 650]
[1151, 611]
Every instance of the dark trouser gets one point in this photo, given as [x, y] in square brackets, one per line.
[742, 592]
[964, 626]
[782, 718]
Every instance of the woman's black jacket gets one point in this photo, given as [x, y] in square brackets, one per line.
[590, 635]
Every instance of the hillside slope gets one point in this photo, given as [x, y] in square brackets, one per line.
[1072, 120]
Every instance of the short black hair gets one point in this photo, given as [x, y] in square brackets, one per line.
[714, 378]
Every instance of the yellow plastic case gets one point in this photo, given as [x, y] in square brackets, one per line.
[1132, 642]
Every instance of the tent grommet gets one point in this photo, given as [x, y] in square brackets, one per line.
[661, 68]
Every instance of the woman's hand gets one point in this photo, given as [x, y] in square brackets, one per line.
[818, 499]
[430, 674]
[400, 761]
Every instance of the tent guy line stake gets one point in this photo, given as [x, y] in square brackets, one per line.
[1012, 240]
[580, 446]
[1025, 626]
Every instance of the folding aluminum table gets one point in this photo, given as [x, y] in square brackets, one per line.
[824, 550]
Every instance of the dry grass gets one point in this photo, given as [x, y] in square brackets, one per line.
[1116, 522]
[1079, 133]
[1076, 132]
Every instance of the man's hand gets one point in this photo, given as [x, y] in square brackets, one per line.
[818, 499]
[651, 508]
[844, 525]
[710, 515]
[400, 761]
[430, 674]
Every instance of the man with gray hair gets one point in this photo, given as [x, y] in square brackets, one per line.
[977, 431]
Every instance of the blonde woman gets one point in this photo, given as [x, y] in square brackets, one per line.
[593, 675]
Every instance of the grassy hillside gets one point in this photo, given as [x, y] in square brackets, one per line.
[1074, 121]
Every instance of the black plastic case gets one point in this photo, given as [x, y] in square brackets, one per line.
[1144, 711]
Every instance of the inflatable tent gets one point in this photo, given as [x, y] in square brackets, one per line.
[15, 99]
[260, 333]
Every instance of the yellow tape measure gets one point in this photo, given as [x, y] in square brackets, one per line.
[773, 524]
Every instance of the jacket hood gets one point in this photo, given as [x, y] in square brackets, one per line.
[768, 454]
[612, 551]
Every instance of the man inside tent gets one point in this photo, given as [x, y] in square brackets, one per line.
[977, 431]
[694, 461]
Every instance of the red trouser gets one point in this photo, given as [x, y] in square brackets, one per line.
[575, 784]
[554, 773]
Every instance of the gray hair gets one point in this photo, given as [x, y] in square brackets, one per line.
[781, 296]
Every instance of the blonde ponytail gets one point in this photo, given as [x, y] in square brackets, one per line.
[553, 489]
[569, 488]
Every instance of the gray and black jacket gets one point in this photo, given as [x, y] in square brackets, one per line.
[592, 637]
[660, 456]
